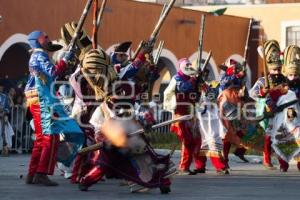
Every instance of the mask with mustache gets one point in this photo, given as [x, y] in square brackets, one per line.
[276, 79]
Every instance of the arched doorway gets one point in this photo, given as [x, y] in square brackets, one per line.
[211, 75]
[14, 62]
[14, 57]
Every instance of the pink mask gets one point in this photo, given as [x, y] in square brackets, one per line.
[185, 66]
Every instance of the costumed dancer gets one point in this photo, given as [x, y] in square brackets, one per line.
[232, 96]
[119, 57]
[48, 115]
[66, 156]
[129, 157]
[291, 70]
[123, 67]
[265, 97]
[136, 81]
[112, 161]
[179, 98]
[211, 127]
[85, 101]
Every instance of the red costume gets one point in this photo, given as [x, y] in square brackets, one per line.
[185, 89]
[43, 158]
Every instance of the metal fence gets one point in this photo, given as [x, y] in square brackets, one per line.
[22, 140]
[162, 116]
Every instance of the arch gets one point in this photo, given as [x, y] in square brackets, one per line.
[16, 38]
[212, 64]
[14, 62]
[165, 65]
[240, 59]
[165, 62]
[14, 57]
[170, 60]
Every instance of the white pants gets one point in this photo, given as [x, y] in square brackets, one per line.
[8, 133]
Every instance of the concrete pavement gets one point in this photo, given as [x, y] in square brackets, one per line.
[247, 181]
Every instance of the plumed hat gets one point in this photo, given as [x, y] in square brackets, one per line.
[123, 47]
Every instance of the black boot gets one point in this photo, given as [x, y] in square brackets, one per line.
[29, 179]
[82, 187]
[165, 189]
[241, 156]
[200, 171]
[186, 172]
[223, 172]
[43, 179]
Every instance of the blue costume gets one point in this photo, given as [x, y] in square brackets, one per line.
[227, 81]
[49, 117]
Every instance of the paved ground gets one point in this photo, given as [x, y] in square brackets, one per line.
[247, 181]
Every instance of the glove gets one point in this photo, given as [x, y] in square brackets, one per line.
[147, 48]
[68, 56]
[147, 120]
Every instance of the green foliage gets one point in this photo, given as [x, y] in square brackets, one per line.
[169, 139]
[163, 140]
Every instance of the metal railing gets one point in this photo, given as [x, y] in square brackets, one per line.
[22, 140]
[162, 116]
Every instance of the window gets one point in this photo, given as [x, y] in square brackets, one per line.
[293, 35]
